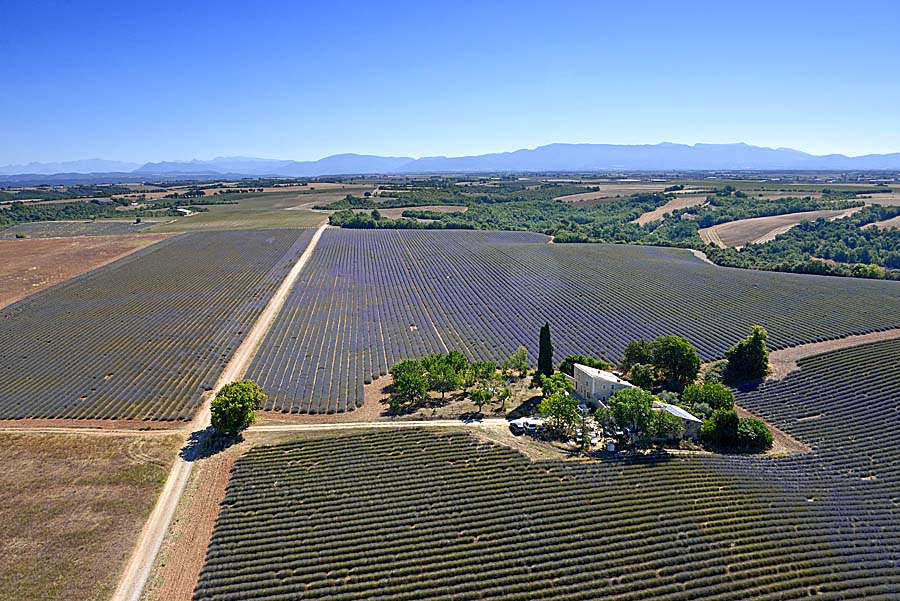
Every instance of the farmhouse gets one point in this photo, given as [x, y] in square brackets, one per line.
[596, 385]
[691, 423]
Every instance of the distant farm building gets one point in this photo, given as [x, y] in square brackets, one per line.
[596, 385]
[691, 423]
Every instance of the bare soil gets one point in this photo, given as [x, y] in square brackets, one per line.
[183, 553]
[34, 264]
[682, 201]
[72, 507]
[613, 189]
[783, 444]
[762, 229]
[892, 222]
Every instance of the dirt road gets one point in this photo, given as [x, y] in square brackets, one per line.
[448, 423]
[133, 579]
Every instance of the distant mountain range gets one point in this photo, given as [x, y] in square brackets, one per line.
[552, 157]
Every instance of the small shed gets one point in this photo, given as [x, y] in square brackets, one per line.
[691, 423]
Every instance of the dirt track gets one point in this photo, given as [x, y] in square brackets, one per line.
[133, 579]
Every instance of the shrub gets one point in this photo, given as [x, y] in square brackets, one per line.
[716, 396]
[753, 435]
[720, 429]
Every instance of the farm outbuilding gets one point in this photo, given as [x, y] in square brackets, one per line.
[691, 423]
[596, 385]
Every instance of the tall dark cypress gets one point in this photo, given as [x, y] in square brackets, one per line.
[545, 352]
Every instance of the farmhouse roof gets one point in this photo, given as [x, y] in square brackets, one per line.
[675, 410]
[601, 374]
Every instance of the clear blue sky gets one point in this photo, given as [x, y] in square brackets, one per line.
[301, 80]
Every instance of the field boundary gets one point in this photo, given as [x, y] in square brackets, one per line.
[134, 578]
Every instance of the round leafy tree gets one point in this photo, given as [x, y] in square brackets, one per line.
[235, 405]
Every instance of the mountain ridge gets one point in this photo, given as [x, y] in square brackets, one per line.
[584, 157]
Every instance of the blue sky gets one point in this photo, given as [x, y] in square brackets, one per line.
[302, 80]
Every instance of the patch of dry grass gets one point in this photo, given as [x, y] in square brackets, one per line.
[72, 507]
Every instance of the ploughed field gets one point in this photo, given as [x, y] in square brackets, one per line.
[419, 515]
[143, 337]
[66, 229]
[368, 299]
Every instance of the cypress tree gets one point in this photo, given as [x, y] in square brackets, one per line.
[545, 352]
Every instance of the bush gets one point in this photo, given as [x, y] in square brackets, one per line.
[720, 429]
[753, 435]
[716, 396]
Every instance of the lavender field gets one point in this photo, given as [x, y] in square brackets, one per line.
[368, 299]
[144, 337]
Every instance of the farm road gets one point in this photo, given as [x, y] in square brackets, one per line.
[133, 579]
[484, 423]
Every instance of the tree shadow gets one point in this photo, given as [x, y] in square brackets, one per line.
[206, 443]
[526, 409]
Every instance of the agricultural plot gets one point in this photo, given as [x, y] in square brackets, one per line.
[368, 299]
[72, 508]
[33, 265]
[763, 229]
[844, 403]
[144, 337]
[290, 209]
[418, 515]
[66, 229]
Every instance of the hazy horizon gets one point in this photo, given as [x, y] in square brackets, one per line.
[178, 81]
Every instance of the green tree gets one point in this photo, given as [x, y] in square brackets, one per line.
[636, 351]
[441, 373]
[560, 409]
[518, 361]
[632, 409]
[643, 375]
[484, 371]
[753, 435]
[567, 366]
[545, 352]
[676, 359]
[481, 397]
[558, 382]
[713, 394]
[410, 384]
[235, 405]
[720, 430]
[666, 426]
[748, 360]
[504, 397]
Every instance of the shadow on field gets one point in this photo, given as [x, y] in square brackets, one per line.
[206, 443]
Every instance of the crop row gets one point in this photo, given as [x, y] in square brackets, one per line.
[417, 515]
[368, 299]
[143, 337]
